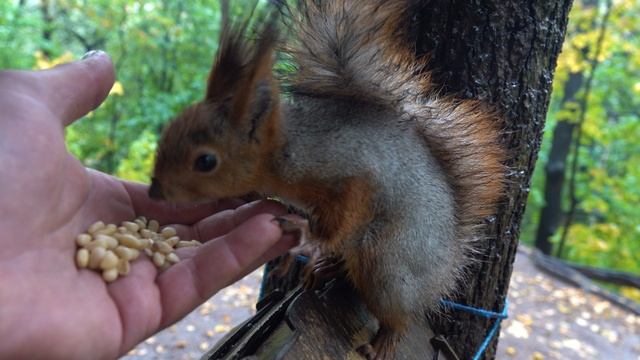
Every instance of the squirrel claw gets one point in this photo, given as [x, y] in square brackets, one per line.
[289, 223]
[324, 270]
[383, 344]
[294, 224]
[367, 351]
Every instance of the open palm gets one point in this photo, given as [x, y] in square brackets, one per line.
[48, 308]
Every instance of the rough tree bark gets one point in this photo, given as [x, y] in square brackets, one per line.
[504, 52]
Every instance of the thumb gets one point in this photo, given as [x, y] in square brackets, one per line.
[72, 90]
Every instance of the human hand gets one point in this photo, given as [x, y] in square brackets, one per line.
[49, 308]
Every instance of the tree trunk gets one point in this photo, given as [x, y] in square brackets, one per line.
[503, 52]
[551, 213]
[47, 29]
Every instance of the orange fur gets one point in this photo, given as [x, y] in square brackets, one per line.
[337, 214]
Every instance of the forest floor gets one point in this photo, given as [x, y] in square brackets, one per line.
[548, 319]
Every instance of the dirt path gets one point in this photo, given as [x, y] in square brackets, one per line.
[547, 320]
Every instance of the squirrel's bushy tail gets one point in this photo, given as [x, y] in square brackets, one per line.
[357, 49]
[353, 49]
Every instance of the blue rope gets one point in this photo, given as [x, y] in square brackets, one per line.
[475, 311]
[472, 310]
[300, 258]
[263, 284]
[486, 314]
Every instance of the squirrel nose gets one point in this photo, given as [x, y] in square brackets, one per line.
[155, 190]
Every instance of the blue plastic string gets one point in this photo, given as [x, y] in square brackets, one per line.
[263, 284]
[475, 311]
[300, 258]
[470, 309]
[486, 314]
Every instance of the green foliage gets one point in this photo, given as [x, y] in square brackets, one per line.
[162, 51]
[606, 232]
[138, 163]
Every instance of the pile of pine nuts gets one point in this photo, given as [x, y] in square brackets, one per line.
[109, 248]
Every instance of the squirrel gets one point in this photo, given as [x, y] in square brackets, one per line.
[396, 180]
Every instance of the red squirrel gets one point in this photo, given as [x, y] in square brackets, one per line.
[395, 179]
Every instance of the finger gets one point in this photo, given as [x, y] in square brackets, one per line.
[138, 302]
[72, 90]
[166, 213]
[225, 221]
[218, 263]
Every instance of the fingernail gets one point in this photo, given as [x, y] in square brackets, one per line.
[279, 221]
[92, 53]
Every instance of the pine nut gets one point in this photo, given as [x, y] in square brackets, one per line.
[131, 241]
[110, 260]
[82, 258]
[110, 229]
[157, 237]
[146, 243]
[182, 244]
[126, 253]
[94, 244]
[123, 267]
[162, 247]
[153, 225]
[83, 239]
[131, 226]
[173, 258]
[98, 225]
[141, 224]
[111, 248]
[168, 232]
[158, 259]
[96, 256]
[110, 275]
[108, 241]
[173, 241]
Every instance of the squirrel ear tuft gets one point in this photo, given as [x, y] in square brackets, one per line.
[242, 73]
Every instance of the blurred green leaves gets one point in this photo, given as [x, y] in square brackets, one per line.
[606, 231]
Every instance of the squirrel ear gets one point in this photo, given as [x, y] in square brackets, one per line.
[242, 77]
[255, 94]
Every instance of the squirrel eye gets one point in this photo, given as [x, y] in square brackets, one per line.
[205, 163]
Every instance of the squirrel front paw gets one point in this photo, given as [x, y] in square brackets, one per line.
[382, 347]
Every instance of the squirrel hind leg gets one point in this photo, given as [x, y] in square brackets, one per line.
[383, 346]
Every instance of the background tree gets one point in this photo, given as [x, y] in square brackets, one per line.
[604, 232]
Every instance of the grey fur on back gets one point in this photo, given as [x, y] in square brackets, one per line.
[362, 105]
[332, 139]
